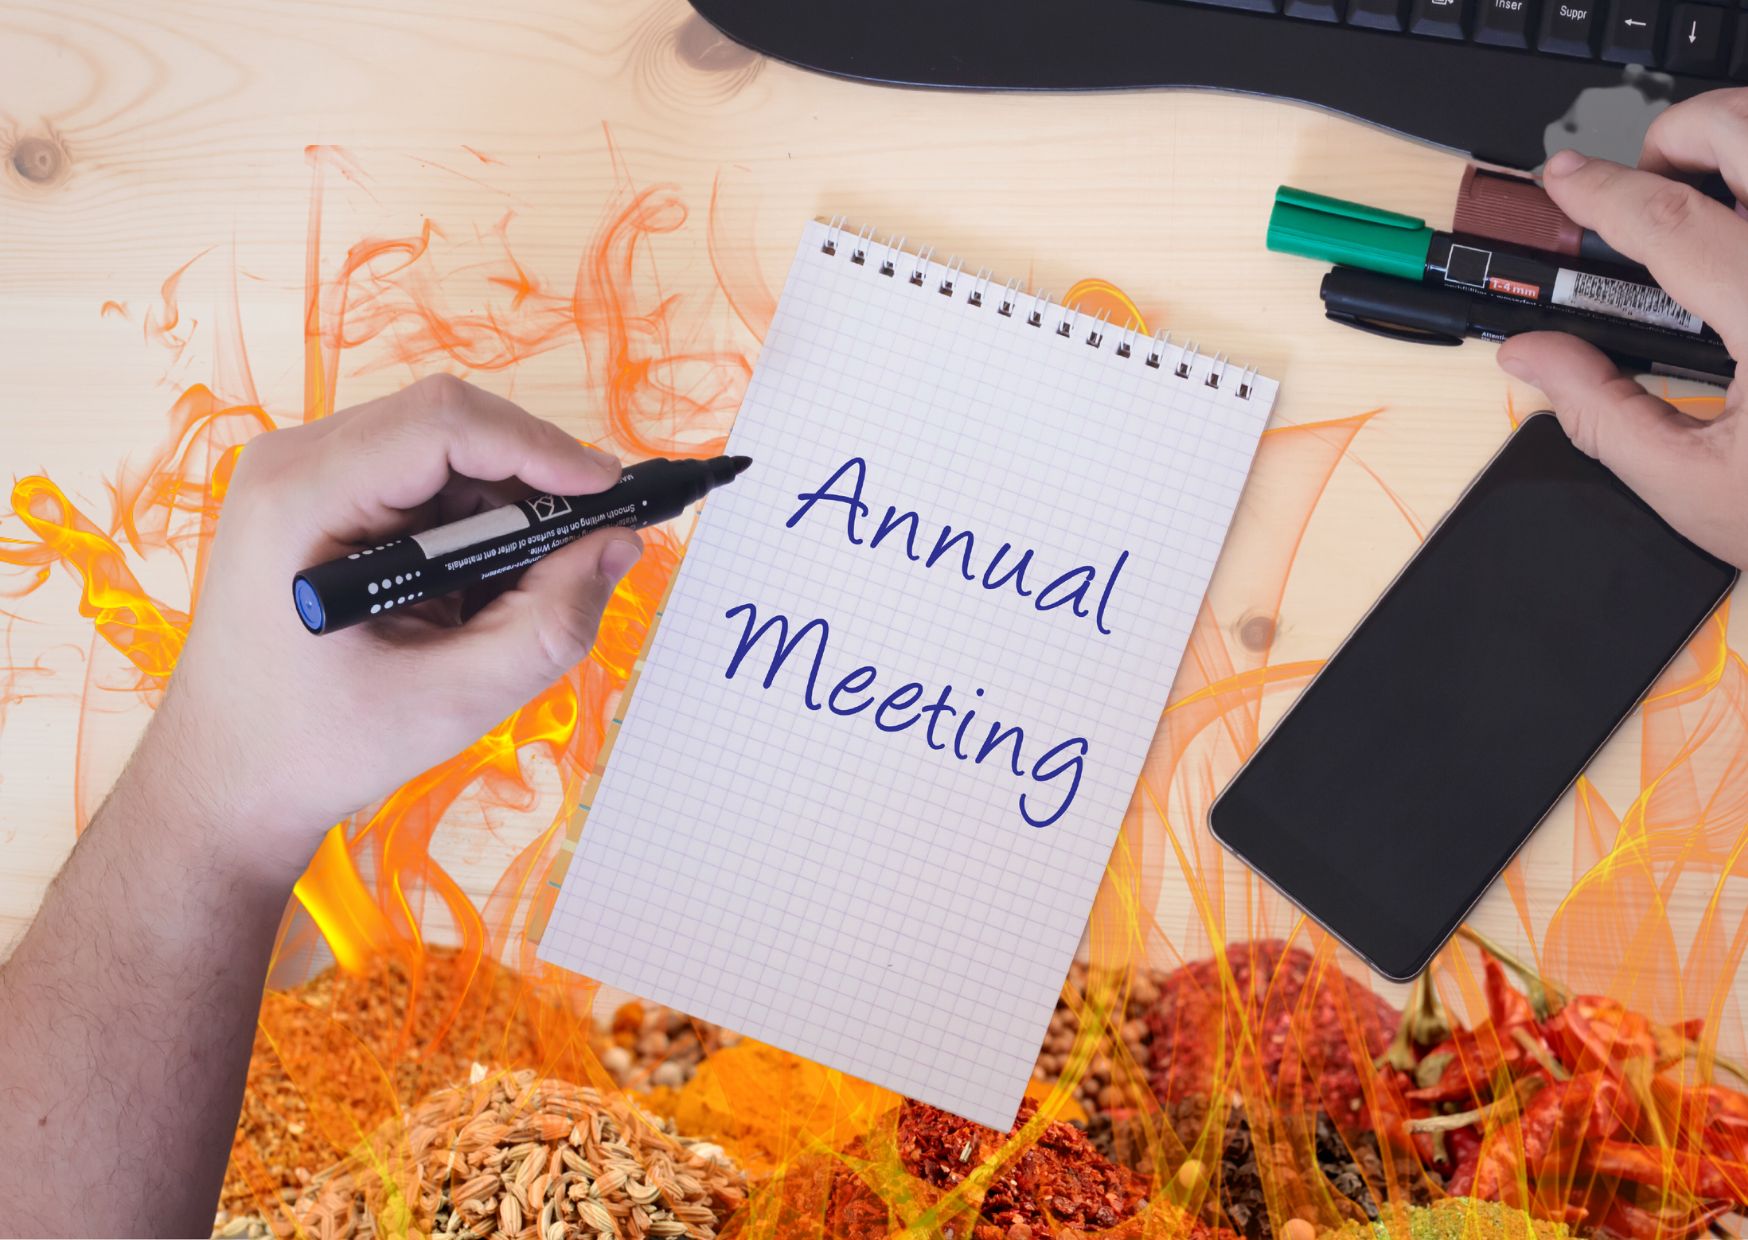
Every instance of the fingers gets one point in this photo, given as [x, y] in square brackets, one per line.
[1708, 133]
[396, 453]
[1649, 445]
[530, 636]
[1696, 248]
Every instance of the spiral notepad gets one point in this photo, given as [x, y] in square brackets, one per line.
[879, 748]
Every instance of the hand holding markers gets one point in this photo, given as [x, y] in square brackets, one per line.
[302, 732]
[1693, 471]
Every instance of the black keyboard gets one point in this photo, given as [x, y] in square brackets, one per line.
[1507, 81]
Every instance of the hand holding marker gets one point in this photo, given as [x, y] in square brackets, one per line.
[464, 553]
[1479, 286]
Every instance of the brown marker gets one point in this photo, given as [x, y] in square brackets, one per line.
[1503, 207]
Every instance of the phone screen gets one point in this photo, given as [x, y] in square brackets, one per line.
[1467, 701]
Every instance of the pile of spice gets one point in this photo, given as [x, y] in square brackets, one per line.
[1582, 1111]
[1249, 1169]
[1119, 1055]
[1457, 1218]
[1179, 1027]
[515, 1156]
[655, 1047]
[359, 1046]
[1294, 1011]
[1312, 1034]
[1059, 1181]
[1059, 1187]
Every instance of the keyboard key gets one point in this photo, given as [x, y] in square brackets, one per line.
[1324, 10]
[1696, 40]
[1376, 14]
[1631, 35]
[1503, 23]
[1249, 6]
[1569, 28]
[1442, 19]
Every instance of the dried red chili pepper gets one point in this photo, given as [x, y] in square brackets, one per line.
[1465, 1148]
[1707, 1116]
[1687, 1172]
[1511, 1039]
[1499, 1167]
[1593, 1031]
[1466, 1072]
[1506, 1006]
[1565, 1118]
[1627, 1220]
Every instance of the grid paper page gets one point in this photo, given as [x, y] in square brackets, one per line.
[772, 846]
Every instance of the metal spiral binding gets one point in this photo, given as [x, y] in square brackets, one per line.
[954, 267]
[979, 287]
[1068, 318]
[859, 255]
[893, 250]
[920, 271]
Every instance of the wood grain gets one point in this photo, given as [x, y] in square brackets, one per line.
[136, 137]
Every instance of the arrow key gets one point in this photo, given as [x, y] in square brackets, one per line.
[1631, 34]
[1696, 40]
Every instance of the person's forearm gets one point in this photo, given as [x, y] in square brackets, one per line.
[128, 1010]
[127, 1013]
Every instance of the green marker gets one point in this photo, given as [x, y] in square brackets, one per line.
[1355, 235]
[1350, 233]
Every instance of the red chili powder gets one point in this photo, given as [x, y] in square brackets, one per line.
[1198, 1025]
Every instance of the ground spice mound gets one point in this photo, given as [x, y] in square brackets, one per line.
[1194, 1019]
[1061, 1177]
[1456, 1218]
[516, 1156]
[341, 1033]
[1060, 1187]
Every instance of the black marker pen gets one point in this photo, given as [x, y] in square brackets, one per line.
[1356, 235]
[463, 553]
[1427, 314]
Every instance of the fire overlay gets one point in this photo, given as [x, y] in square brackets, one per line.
[1593, 1082]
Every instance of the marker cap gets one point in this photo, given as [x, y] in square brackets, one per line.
[1317, 226]
[309, 605]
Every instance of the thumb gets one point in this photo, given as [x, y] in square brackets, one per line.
[531, 635]
[1648, 444]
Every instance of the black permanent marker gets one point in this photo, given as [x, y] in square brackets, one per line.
[1356, 235]
[452, 557]
[1427, 314]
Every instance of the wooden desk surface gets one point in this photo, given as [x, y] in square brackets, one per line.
[145, 136]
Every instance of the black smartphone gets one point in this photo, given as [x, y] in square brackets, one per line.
[1467, 701]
